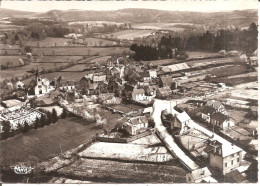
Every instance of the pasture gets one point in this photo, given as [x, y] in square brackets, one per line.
[44, 143]
[161, 26]
[55, 59]
[49, 42]
[129, 34]
[20, 71]
[80, 51]
[96, 42]
[11, 61]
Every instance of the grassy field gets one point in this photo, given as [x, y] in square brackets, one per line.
[80, 51]
[59, 59]
[230, 70]
[201, 54]
[160, 26]
[13, 60]
[10, 51]
[124, 172]
[44, 143]
[235, 81]
[97, 42]
[76, 68]
[48, 42]
[20, 71]
[130, 34]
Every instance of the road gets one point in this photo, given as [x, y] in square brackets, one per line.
[159, 106]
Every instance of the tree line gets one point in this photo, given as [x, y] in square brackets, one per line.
[245, 40]
[169, 47]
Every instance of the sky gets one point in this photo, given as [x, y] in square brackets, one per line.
[172, 5]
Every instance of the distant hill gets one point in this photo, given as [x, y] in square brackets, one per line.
[15, 13]
[236, 18]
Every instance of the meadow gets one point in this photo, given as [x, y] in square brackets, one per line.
[48, 42]
[130, 34]
[80, 51]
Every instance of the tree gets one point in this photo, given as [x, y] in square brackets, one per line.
[25, 127]
[64, 114]
[54, 116]
[37, 123]
[42, 121]
[100, 42]
[27, 49]
[6, 129]
[49, 118]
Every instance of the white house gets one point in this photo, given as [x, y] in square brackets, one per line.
[225, 157]
[153, 73]
[135, 125]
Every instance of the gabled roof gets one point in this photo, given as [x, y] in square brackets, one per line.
[200, 173]
[138, 119]
[236, 176]
[213, 103]
[228, 149]
[138, 91]
[208, 110]
[97, 78]
[165, 90]
[219, 117]
[166, 80]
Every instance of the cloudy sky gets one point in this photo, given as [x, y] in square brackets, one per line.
[181, 5]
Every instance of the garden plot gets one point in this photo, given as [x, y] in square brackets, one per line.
[125, 151]
[113, 171]
[57, 108]
[147, 140]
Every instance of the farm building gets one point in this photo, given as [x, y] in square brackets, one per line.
[163, 92]
[135, 125]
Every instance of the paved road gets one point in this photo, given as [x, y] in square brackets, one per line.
[159, 106]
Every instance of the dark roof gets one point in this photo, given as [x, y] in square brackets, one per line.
[236, 176]
[166, 80]
[208, 110]
[219, 117]
[138, 91]
[214, 104]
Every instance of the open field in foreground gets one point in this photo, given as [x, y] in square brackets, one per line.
[44, 143]
[112, 171]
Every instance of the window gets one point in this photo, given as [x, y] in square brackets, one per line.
[238, 153]
[39, 86]
[237, 159]
[232, 155]
[225, 164]
[232, 162]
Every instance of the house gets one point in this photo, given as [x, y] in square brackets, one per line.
[234, 177]
[216, 105]
[138, 94]
[222, 121]
[136, 125]
[153, 74]
[146, 76]
[243, 58]
[225, 157]
[202, 175]
[165, 81]
[19, 85]
[253, 61]
[163, 92]
[98, 78]
[181, 122]
[103, 87]
[151, 90]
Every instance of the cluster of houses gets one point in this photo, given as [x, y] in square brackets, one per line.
[215, 113]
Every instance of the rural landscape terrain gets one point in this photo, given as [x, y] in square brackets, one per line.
[128, 96]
